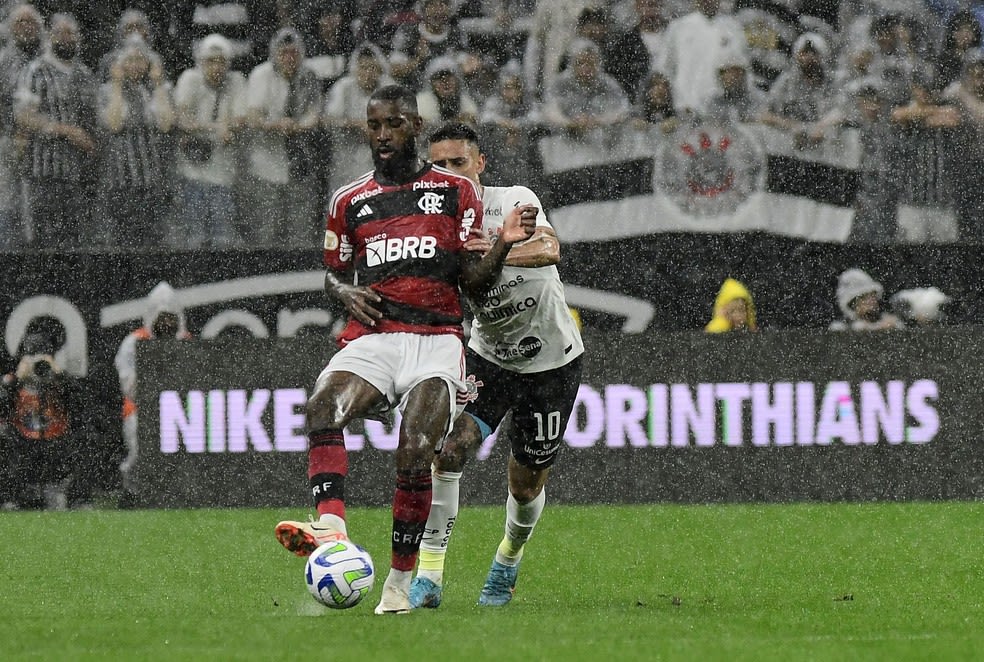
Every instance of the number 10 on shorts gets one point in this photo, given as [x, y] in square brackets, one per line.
[552, 426]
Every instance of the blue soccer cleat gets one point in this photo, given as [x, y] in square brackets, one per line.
[499, 585]
[424, 594]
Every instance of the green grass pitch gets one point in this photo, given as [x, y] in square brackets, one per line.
[662, 582]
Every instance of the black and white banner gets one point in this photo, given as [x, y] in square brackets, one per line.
[620, 182]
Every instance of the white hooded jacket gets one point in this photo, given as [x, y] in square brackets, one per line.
[162, 299]
[851, 284]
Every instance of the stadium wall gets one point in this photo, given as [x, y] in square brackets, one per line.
[661, 417]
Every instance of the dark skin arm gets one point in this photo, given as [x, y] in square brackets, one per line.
[478, 275]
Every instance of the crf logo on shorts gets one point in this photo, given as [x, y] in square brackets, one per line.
[399, 248]
[431, 203]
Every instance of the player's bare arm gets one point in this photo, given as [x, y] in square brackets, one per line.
[357, 300]
[478, 275]
[540, 250]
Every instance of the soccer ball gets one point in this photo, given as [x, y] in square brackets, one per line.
[339, 574]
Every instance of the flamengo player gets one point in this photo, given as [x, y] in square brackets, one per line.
[523, 356]
[401, 231]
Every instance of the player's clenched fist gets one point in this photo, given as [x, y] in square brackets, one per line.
[519, 224]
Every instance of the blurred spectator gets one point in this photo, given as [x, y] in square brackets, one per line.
[210, 104]
[42, 428]
[639, 48]
[344, 118]
[801, 96]
[595, 24]
[915, 35]
[345, 104]
[56, 104]
[163, 318]
[443, 98]
[283, 106]
[855, 17]
[962, 33]
[890, 64]
[132, 22]
[770, 30]
[135, 111]
[330, 39]
[25, 26]
[927, 138]
[247, 24]
[497, 28]
[549, 41]
[734, 309]
[382, 18]
[694, 46]
[859, 298]
[511, 107]
[920, 307]
[512, 123]
[736, 100]
[172, 27]
[654, 105]
[584, 97]
[854, 64]
[967, 95]
[479, 74]
[877, 198]
[437, 35]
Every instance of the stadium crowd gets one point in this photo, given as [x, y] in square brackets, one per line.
[137, 125]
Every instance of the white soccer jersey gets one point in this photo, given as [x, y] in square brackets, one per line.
[523, 323]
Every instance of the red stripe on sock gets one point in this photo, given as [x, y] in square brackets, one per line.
[331, 459]
[325, 438]
[411, 506]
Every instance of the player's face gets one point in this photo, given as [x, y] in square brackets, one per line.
[459, 156]
[393, 132]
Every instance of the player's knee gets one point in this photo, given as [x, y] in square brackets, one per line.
[523, 494]
[416, 450]
[451, 458]
[463, 440]
[322, 411]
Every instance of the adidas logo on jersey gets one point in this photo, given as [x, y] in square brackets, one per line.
[365, 211]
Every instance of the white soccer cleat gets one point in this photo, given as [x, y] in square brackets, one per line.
[302, 538]
[395, 600]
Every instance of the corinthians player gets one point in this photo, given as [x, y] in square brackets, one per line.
[524, 357]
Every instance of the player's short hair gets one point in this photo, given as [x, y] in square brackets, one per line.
[398, 94]
[456, 131]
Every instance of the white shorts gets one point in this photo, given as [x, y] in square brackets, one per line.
[396, 362]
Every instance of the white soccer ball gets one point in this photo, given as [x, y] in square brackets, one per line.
[339, 574]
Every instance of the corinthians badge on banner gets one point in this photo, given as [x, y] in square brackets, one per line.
[709, 170]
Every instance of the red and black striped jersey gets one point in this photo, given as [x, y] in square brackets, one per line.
[405, 242]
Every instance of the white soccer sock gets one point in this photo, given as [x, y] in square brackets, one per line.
[398, 579]
[520, 520]
[443, 513]
[335, 522]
